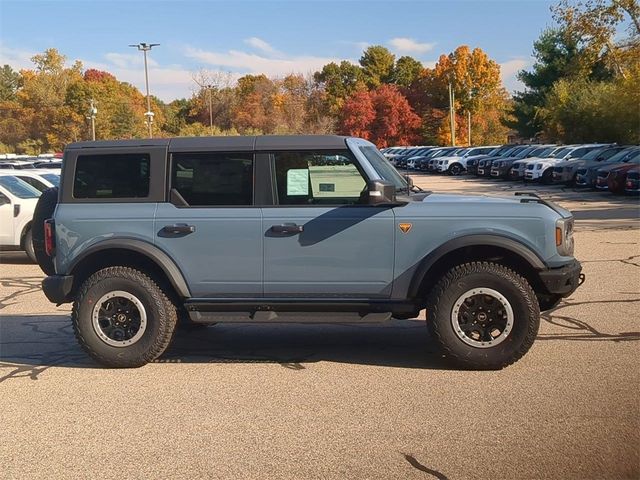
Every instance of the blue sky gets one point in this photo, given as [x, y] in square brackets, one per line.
[272, 37]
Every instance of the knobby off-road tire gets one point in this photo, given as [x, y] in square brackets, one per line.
[136, 290]
[506, 286]
[44, 209]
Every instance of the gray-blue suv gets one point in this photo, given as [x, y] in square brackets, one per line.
[146, 235]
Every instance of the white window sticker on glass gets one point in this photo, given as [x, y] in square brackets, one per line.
[298, 181]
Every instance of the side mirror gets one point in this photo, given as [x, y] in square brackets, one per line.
[4, 200]
[409, 180]
[381, 192]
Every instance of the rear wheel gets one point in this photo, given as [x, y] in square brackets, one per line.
[483, 316]
[122, 318]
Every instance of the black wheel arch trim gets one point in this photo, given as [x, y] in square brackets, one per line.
[153, 253]
[475, 240]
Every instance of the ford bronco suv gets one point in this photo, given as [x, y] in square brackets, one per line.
[146, 235]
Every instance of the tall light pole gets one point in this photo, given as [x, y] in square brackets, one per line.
[144, 48]
[210, 87]
[452, 117]
[93, 111]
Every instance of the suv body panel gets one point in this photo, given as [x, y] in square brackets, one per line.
[345, 256]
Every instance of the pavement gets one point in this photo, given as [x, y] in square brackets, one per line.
[338, 401]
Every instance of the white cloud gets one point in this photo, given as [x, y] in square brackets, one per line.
[509, 70]
[129, 60]
[17, 58]
[244, 62]
[408, 45]
[260, 44]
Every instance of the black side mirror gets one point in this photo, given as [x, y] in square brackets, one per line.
[4, 200]
[381, 192]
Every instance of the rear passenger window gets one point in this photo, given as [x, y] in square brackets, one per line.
[112, 176]
[213, 179]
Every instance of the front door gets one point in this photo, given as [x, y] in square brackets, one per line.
[322, 239]
[6, 220]
[211, 228]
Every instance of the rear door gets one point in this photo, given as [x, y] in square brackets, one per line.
[321, 239]
[210, 227]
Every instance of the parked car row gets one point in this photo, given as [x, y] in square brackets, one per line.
[601, 166]
[19, 193]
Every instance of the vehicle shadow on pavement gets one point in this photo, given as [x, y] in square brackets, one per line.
[15, 258]
[30, 345]
[574, 329]
[397, 343]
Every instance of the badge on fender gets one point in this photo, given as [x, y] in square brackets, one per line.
[405, 227]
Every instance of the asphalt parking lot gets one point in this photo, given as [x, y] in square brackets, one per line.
[338, 401]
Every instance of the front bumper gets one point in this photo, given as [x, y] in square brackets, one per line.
[57, 288]
[564, 280]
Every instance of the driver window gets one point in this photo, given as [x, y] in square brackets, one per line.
[318, 178]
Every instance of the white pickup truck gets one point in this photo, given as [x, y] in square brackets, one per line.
[17, 203]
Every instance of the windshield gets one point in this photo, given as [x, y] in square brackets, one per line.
[560, 153]
[624, 155]
[52, 177]
[524, 153]
[383, 167]
[18, 188]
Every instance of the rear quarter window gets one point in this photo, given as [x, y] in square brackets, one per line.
[108, 176]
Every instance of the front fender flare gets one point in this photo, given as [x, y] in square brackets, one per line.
[514, 246]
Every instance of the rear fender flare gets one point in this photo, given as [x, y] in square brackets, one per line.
[153, 253]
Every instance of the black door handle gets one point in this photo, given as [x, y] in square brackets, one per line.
[290, 228]
[179, 228]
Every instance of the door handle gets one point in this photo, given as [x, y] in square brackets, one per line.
[287, 228]
[179, 228]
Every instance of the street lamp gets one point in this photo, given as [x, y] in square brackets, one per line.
[144, 48]
[93, 111]
[210, 87]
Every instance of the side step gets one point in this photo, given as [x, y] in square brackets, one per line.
[287, 317]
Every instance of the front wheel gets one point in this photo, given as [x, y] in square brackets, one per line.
[483, 316]
[455, 169]
[122, 318]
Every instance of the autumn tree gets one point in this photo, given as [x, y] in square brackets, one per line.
[382, 116]
[475, 80]
[406, 71]
[339, 81]
[377, 64]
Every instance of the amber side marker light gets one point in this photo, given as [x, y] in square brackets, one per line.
[558, 236]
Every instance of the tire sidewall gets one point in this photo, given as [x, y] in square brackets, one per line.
[498, 355]
[136, 353]
[28, 245]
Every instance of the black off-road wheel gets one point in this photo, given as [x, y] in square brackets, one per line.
[483, 316]
[44, 210]
[122, 318]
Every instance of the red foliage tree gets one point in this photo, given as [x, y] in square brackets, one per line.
[93, 75]
[382, 116]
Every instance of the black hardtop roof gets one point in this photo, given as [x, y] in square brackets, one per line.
[261, 142]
